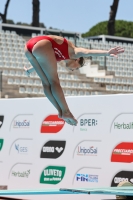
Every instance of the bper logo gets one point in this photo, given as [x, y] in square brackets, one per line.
[52, 175]
[1, 144]
[53, 149]
[88, 122]
[122, 176]
[123, 152]
[52, 124]
[1, 120]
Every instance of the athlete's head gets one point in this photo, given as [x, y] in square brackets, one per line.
[75, 64]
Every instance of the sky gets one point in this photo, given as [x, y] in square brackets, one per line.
[69, 15]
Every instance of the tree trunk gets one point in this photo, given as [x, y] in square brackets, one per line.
[36, 10]
[3, 16]
[111, 22]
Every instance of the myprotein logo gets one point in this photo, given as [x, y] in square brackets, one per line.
[52, 124]
[122, 176]
[53, 149]
[87, 178]
[21, 174]
[1, 144]
[21, 149]
[52, 175]
[1, 120]
[123, 152]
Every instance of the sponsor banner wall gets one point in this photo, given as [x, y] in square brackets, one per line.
[38, 150]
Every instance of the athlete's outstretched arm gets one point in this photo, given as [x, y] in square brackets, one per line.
[82, 52]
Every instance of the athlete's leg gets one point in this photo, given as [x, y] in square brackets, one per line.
[45, 83]
[46, 58]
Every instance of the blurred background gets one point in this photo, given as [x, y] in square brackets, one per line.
[89, 24]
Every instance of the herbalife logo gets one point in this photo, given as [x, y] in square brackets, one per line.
[21, 124]
[1, 120]
[53, 149]
[52, 175]
[21, 149]
[1, 143]
[123, 125]
[24, 174]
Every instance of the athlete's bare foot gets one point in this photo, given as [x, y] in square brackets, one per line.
[69, 118]
[66, 120]
[26, 71]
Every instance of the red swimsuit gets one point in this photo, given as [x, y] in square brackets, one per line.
[60, 50]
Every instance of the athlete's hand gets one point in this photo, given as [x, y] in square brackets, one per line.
[115, 51]
[26, 71]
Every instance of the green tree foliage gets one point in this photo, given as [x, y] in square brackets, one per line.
[122, 29]
[9, 21]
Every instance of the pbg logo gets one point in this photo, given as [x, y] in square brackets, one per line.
[53, 149]
[1, 120]
[52, 124]
[123, 152]
[52, 175]
[122, 176]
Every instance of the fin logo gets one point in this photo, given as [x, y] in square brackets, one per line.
[52, 124]
[52, 175]
[123, 152]
[53, 149]
[1, 120]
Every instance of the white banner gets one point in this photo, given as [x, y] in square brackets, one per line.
[38, 150]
